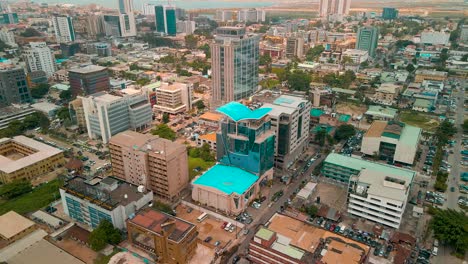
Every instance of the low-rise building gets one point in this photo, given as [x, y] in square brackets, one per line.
[423, 105]
[23, 158]
[209, 139]
[435, 38]
[357, 56]
[14, 226]
[210, 119]
[171, 239]
[174, 98]
[378, 112]
[88, 201]
[432, 75]
[288, 240]
[392, 141]
[387, 93]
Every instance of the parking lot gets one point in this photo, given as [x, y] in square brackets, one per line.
[210, 227]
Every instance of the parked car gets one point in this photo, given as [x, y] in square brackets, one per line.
[208, 239]
[224, 225]
[217, 243]
[235, 259]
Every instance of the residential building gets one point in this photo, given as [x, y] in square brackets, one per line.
[209, 139]
[356, 55]
[234, 62]
[245, 147]
[94, 25]
[389, 13]
[423, 105]
[63, 27]
[149, 9]
[166, 20]
[89, 201]
[251, 15]
[379, 196]
[464, 34]
[295, 47]
[40, 58]
[88, 80]
[391, 141]
[433, 75]
[367, 39]
[378, 112]
[13, 87]
[387, 93]
[173, 98]
[435, 38]
[77, 114]
[171, 239]
[225, 15]
[156, 163]
[121, 25]
[210, 120]
[334, 7]
[23, 158]
[290, 118]
[9, 18]
[109, 114]
[290, 240]
[8, 37]
[14, 226]
[186, 27]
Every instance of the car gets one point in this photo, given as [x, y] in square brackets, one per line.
[208, 239]
[224, 225]
[235, 259]
[248, 220]
[435, 250]
[332, 227]
[262, 199]
[245, 232]
[217, 243]
[452, 189]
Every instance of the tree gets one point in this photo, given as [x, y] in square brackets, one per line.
[410, 68]
[313, 53]
[347, 60]
[265, 60]
[320, 137]
[191, 41]
[344, 132]
[66, 95]
[451, 227]
[3, 46]
[134, 67]
[299, 80]
[465, 125]
[164, 131]
[311, 210]
[165, 118]
[200, 105]
[63, 113]
[39, 91]
[15, 189]
[465, 57]
[206, 49]
[143, 81]
[103, 234]
[30, 32]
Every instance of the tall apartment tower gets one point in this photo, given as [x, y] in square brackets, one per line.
[290, 117]
[13, 87]
[125, 21]
[367, 39]
[125, 6]
[234, 62]
[166, 19]
[334, 7]
[40, 58]
[389, 13]
[89, 80]
[64, 30]
[156, 163]
[295, 47]
[94, 25]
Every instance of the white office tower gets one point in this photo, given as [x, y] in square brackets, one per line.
[251, 15]
[335, 9]
[187, 27]
[148, 9]
[127, 23]
[40, 58]
[8, 37]
[64, 30]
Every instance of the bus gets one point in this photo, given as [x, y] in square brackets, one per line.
[202, 217]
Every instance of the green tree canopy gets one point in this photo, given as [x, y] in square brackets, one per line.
[15, 189]
[39, 91]
[451, 227]
[63, 113]
[206, 48]
[204, 152]
[165, 118]
[30, 32]
[410, 68]
[200, 105]
[299, 80]
[191, 41]
[164, 131]
[313, 53]
[465, 125]
[344, 132]
[104, 234]
[66, 95]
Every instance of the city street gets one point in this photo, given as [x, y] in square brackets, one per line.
[454, 159]
[288, 190]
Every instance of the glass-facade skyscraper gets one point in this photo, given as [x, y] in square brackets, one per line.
[367, 39]
[166, 20]
[234, 62]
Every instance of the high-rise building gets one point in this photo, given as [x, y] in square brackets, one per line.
[174, 98]
[186, 27]
[251, 15]
[224, 15]
[389, 13]
[367, 39]
[40, 58]
[334, 7]
[9, 18]
[166, 19]
[63, 26]
[295, 47]
[122, 25]
[13, 87]
[108, 114]
[156, 163]
[172, 239]
[290, 117]
[89, 80]
[94, 25]
[125, 6]
[464, 34]
[235, 61]
[148, 9]
[8, 37]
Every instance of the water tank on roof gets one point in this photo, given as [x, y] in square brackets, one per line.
[141, 188]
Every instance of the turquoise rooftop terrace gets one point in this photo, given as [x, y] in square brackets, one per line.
[237, 111]
[227, 179]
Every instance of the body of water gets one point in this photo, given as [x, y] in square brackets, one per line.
[185, 4]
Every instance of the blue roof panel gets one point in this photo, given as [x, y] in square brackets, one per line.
[227, 179]
[237, 111]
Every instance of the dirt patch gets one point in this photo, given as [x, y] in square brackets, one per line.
[78, 250]
[351, 109]
[332, 195]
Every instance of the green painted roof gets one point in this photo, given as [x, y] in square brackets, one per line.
[237, 111]
[345, 91]
[316, 112]
[264, 233]
[360, 164]
[377, 110]
[423, 103]
[410, 135]
[344, 118]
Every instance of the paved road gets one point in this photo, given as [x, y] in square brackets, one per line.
[452, 197]
[288, 190]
